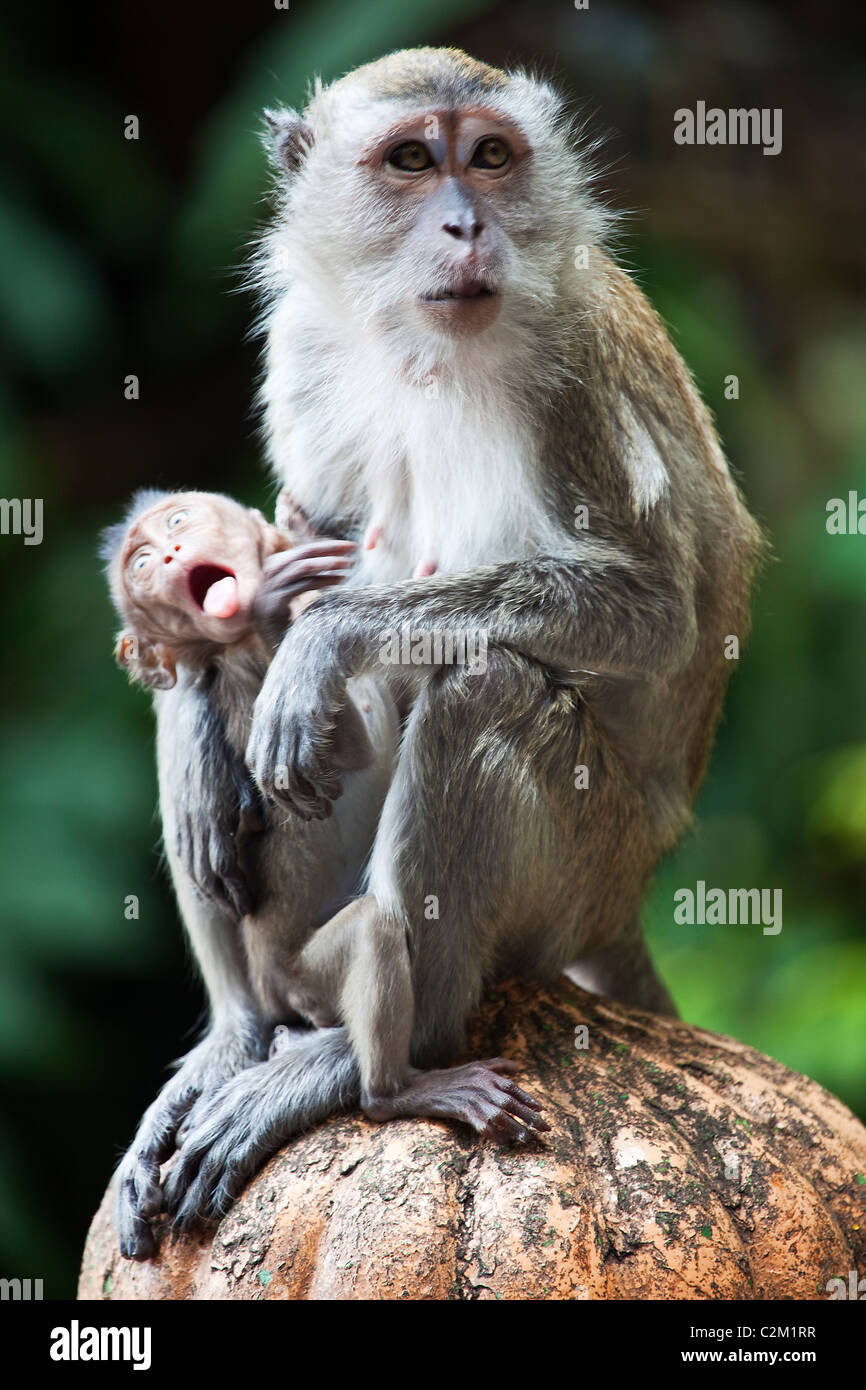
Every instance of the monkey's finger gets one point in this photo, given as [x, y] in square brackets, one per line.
[220, 1178]
[275, 760]
[270, 604]
[237, 1167]
[311, 793]
[137, 1241]
[303, 571]
[199, 1206]
[299, 579]
[511, 1089]
[184, 1172]
[212, 1114]
[310, 550]
[139, 1197]
[530, 1117]
[501, 1127]
[306, 801]
[269, 601]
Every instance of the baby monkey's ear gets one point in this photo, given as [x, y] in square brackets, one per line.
[275, 539]
[149, 663]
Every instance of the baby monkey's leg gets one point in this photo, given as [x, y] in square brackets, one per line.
[358, 968]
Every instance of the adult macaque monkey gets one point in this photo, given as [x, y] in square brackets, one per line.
[456, 368]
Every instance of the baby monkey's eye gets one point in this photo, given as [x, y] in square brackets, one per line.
[177, 517]
[139, 563]
[411, 157]
[491, 153]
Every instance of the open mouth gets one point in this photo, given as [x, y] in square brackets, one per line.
[203, 577]
[469, 289]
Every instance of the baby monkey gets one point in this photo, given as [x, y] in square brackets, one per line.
[206, 588]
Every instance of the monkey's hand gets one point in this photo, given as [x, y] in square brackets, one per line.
[207, 816]
[293, 750]
[139, 1198]
[317, 564]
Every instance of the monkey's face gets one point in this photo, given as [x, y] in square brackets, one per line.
[429, 221]
[190, 566]
[446, 183]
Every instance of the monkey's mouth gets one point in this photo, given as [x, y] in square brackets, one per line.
[465, 289]
[207, 584]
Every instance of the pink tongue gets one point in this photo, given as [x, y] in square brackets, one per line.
[221, 599]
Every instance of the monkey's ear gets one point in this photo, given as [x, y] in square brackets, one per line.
[149, 663]
[273, 537]
[289, 139]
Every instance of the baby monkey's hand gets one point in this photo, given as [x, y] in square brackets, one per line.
[291, 573]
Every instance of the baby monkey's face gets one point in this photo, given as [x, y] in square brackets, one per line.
[190, 567]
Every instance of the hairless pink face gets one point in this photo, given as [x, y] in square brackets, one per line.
[190, 567]
[454, 169]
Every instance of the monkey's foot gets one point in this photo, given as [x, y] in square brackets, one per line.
[227, 1136]
[478, 1094]
[139, 1201]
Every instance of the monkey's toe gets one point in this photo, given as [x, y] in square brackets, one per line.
[479, 1094]
[139, 1200]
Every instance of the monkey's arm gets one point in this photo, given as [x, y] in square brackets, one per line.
[605, 609]
[205, 791]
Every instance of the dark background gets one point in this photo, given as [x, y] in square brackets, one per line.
[119, 257]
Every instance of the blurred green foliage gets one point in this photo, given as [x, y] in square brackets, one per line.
[117, 257]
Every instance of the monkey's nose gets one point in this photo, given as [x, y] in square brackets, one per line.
[465, 227]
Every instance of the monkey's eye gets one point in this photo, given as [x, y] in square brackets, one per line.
[491, 153]
[176, 518]
[412, 157]
[139, 563]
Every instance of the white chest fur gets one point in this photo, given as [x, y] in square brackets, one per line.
[446, 473]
